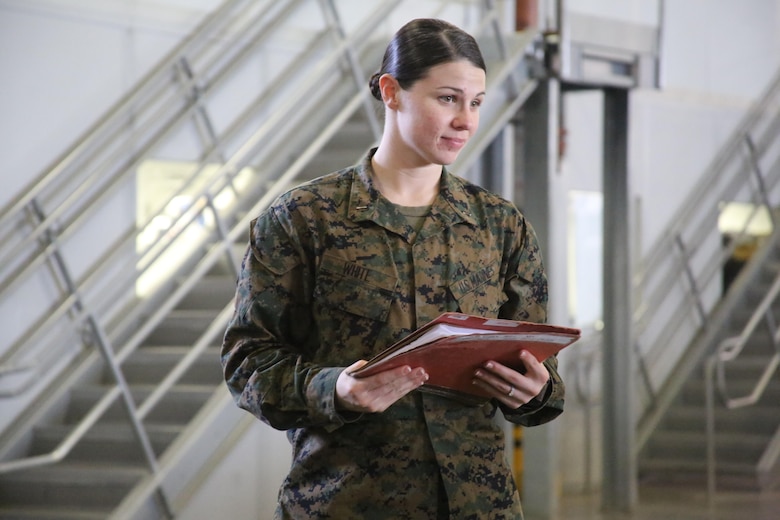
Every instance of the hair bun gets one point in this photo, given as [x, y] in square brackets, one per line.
[373, 84]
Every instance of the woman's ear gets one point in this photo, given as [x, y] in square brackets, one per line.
[390, 89]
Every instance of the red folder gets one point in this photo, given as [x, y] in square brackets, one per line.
[451, 347]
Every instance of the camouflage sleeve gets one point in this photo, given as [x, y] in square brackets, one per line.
[527, 292]
[267, 345]
[526, 280]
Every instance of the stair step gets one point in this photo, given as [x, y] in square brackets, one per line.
[105, 443]
[759, 419]
[694, 391]
[690, 473]
[333, 160]
[149, 365]
[52, 513]
[183, 327]
[354, 133]
[69, 486]
[747, 367]
[698, 465]
[178, 406]
[692, 447]
[210, 293]
[761, 337]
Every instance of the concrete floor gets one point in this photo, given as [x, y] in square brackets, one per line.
[675, 503]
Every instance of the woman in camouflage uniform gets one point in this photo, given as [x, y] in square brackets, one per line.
[341, 267]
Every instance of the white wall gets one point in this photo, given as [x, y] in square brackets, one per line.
[66, 62]
[717, 57]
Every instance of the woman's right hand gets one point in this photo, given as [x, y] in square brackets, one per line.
[376, 393]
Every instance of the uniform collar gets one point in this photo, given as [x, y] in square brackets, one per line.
[451, 206]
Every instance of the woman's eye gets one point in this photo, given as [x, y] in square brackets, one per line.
[476, 103]
[448, 99]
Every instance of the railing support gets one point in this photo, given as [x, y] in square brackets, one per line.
[756, 168]
[201, 119]
[107, 352]
[695, 292]
[332, 16]
[709, 395]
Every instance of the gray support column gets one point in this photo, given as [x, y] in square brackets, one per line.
[539, 156]
[619, 493]
[498, 164]
[539, 138]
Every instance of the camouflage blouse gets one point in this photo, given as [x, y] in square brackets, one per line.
[333, 274]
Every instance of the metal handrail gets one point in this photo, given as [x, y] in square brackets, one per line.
[201, 205]
[69, 442]
[102, 130]
[67, 304]
[679, 293]
[676, 294]
[728, 350]
[180, 224]
[80, 215]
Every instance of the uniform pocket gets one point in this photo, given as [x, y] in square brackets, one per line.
[352, 304]
[354, 288]
[479, 292]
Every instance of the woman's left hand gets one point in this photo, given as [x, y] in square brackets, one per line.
[509, 386]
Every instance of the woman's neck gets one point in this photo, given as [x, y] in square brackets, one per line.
[403, 184]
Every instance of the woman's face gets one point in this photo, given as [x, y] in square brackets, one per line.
[440, 112]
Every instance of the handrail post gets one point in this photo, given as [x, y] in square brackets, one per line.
[645, 373]
[512, 83]
[709, 391]
[756, 167]
[223, 234]
[200, 117]
[138, 428]
[691, 279]
[105, 348]
[332, 18]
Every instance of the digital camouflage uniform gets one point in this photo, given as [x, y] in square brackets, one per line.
[332, 275]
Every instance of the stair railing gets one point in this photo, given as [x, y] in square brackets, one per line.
[730, 349]
[678, 285]
[74, 303]
[52, 228]
[96, 166]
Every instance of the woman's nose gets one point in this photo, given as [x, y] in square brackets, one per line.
[467, 118]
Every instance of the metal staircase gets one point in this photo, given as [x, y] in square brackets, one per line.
[124, 407]
[711, 411]
[740, 455]
[722, 428]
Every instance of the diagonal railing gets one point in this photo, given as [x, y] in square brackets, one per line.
[731, 350]
[678, 286]
[247, 154]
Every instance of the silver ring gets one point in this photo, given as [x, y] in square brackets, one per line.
[511, 391]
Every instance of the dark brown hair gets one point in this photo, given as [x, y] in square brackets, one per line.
[422, 44]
